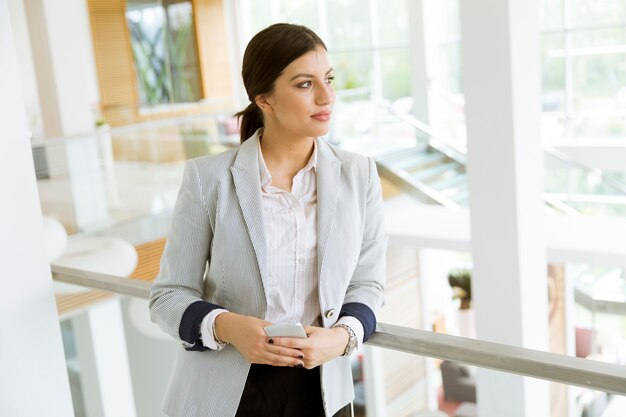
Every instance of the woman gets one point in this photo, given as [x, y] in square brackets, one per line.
[284, 228]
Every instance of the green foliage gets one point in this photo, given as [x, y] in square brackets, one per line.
[179, 43]
[150, 65]
[461, 282]
[165, 55]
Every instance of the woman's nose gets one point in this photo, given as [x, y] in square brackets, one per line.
[325, 94]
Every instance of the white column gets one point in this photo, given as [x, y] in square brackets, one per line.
[33, 377]
[501, 77]
[61, 47]
[64, 65]
[104, 369]
[417, 45]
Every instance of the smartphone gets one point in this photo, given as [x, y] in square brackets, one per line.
[285, 330]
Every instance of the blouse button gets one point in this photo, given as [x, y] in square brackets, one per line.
[330, 313]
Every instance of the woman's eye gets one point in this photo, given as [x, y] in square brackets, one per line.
[305, 84]
[329, 80]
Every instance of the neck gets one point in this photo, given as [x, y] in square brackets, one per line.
[282, 149]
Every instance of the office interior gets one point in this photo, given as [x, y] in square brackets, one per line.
[499, 133]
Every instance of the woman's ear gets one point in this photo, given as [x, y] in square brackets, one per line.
[264, 102]
[261, 102]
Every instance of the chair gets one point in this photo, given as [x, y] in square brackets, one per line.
[458, 384]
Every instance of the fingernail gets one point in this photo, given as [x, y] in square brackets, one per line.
[270, 341]
[299, 365]
[300, 357]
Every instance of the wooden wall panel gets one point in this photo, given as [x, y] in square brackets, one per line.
[114, 61]
[213, 48]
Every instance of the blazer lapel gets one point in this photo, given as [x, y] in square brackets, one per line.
[245, 172]
[328, 173]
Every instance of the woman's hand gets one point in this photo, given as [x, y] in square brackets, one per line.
[321, 346]
[246, 334]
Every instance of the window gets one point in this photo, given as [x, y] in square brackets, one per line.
[584, 68]
[446, 98]
[164, 48]
[369, 53]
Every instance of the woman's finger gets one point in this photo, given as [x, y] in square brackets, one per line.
[273, 359]
[290, 342]
[283, 351]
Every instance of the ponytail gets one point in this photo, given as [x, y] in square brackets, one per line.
[250, 119]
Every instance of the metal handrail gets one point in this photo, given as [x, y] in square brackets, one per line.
[522, 361]
[558, 204]
[126, 286]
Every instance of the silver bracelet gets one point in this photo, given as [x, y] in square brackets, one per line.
[352, 340]
[217, 340]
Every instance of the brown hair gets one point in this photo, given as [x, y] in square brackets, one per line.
[265, 58]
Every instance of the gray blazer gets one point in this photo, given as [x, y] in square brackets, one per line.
[216, 251]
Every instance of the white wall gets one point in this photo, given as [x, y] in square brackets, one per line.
[33, 380]
[25, 64]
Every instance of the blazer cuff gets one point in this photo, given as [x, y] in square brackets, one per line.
[362, 313]
[189, 329]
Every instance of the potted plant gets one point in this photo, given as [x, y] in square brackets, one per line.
[460, 281]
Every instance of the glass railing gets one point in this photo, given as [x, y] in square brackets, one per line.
[589, 191]
[409, 158]
[570, 187]
[123, 175]
[105, 320]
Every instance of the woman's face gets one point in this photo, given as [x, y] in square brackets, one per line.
[303, 97]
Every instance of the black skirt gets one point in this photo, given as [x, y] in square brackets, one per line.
[273, 391]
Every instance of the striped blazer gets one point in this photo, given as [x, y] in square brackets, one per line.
[216, 255]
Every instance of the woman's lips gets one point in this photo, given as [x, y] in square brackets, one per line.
[322, 117]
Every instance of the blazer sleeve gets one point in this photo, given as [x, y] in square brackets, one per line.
[176, 302]
[365, 293]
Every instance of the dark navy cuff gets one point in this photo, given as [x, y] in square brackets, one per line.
[189, 329]
[362, 313]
